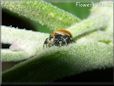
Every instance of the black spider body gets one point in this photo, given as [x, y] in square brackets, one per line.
[59, 38]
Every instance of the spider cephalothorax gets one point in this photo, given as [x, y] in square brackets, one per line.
[58, 38]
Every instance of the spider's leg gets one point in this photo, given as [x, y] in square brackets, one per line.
[45, 42]
[65, 41]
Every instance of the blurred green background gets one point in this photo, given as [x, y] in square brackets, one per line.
[81, 12]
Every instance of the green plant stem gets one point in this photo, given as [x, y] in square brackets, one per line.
[99, 19]
[42, 12]
[87, 26]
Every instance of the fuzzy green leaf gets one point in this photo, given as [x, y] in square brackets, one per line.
[42, 12]
[56, 63]
[24, 44]
[92, 51]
